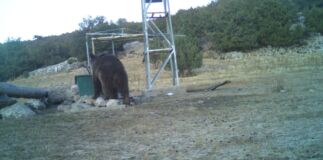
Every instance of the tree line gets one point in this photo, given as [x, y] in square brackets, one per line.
[228, 25]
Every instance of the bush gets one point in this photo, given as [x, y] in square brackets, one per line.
[188, 55]
[314, 20]
[233, 26]
[250, 24]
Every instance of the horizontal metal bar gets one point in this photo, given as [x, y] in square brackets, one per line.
[112, 37]
[156, 13]
[160, 50]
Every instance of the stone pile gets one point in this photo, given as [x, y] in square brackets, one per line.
[22, 109]
[76, 103]
[66, 100]
[68, 65]
[313, 44]
[134, 48]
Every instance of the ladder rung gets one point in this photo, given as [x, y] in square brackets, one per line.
[153, 1]
[157, 14]
[159, 50]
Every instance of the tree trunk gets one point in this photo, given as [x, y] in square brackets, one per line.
[21, 91]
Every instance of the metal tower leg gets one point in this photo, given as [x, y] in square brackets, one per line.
[168, 37]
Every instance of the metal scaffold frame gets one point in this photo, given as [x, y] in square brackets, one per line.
[111, 36]
[150, 29]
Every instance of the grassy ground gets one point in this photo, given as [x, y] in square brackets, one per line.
[271, 110]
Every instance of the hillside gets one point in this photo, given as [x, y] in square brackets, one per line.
[225, 25]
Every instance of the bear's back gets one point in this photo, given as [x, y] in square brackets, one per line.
[108, 62]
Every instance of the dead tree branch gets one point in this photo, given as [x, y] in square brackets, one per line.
[208, 88]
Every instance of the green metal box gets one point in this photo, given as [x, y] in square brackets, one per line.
[85, 85]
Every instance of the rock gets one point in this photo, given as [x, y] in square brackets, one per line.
[72, 60]
[35, 104]
[17, 110]
[313, 44]
[169, 94]
[89, 101]
[75, 89]
[114, 104]
[77, 107]
[6, 101]
[137, 99]
[134, 47]
[64, 108]
[283, 91]
[83, 102]
[295, 27]
[100, 102]
[86, 99]
[67, 102]
[234, 55]
[132, 157]
[69, 94]
[76, 97]
[200, 102]
[65, 66]
[57, 95]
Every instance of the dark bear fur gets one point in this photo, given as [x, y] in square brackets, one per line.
[109, 77]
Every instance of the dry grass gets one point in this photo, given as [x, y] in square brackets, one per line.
[212, 71]
[251, 118]
[51, 80]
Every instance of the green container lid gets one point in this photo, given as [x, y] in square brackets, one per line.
[85, 85]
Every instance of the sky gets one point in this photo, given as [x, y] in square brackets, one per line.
[26, 18]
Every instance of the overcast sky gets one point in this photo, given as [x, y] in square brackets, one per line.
[26, 18]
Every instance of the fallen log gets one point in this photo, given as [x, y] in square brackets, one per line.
[22, 92]
[6, 101]
[208, 88]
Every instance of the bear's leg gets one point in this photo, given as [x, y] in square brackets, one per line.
[114, 94]
[123, 88]
[97, 87]
[125, 93]
[121, 82]
[107, 90]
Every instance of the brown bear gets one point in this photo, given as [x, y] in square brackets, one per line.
[109, 77]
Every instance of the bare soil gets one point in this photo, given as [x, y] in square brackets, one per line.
[260, 115]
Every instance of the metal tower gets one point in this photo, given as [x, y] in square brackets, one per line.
[157, 26]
